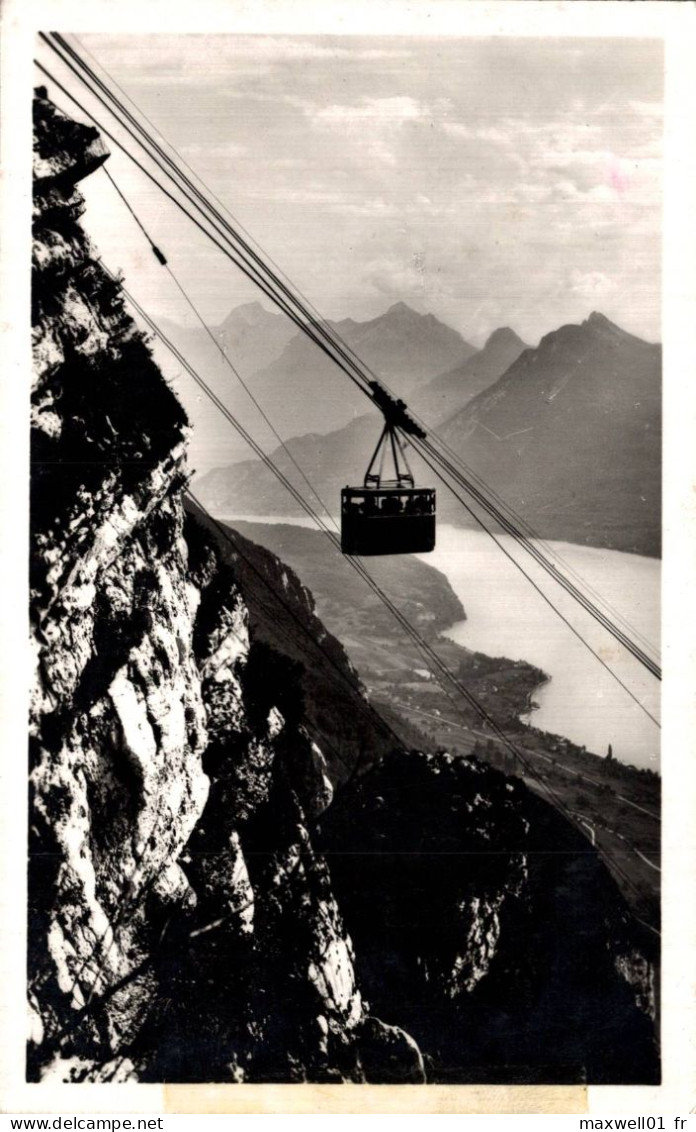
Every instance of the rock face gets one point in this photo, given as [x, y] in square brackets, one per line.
[170, 860]
[315, 681]
[118, 724]
[509, 957]
[188, 920]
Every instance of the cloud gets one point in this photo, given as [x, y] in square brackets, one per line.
[372, 126]
[564, 156]
[220, 153]
[608, 155]
[481, 179]
[591, 285]
[205, 58]
[370, 206]
[292, 48]
[394, 278]
[478, 133]
[568, 191]
[648, 109]
[378, 111]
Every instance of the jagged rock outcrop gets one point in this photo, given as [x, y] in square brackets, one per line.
[152, 758]
[117, 724]
[283, 620]
[187, 922]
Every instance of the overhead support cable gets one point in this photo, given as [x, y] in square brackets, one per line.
[529, 531]
[434, 662]
[159, 256]
[388, 428]
[319, 334]
[426, 650]
[519, 520]
[252, 264]
[354, 562]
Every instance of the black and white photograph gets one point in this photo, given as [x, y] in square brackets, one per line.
[346, 478]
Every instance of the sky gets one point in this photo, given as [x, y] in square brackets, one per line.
[490, 181]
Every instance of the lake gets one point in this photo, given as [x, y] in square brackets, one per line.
[506, 617]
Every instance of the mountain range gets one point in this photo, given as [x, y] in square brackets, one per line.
[331, 458]
[293, 381]
[401, 347]
[568, 434]
[250, 334]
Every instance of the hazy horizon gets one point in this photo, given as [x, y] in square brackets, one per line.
[189, 321]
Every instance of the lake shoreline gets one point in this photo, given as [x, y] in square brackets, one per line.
[503, 617]
[572, 535]
[581, 699]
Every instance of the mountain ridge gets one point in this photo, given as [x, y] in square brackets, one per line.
[298, 387]
[570, 436]
[402, 347]
[453, 389]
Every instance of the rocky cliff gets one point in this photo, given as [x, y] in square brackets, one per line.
[170, 786]
[215, 812]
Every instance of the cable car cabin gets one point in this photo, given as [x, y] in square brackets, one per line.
[389, 516]
[387, 520]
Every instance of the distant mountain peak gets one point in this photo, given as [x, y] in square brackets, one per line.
[597, 330]
[504, 336]
[251, 313]
[604, 328]
[599, 321]
[403, 312]
[408, 317]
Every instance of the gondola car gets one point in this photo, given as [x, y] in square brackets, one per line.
[389, 516]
